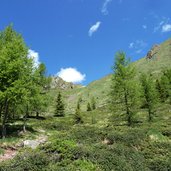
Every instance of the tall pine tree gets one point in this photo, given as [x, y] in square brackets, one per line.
[149, 94]
[93, 103]
[88, 107]
[59, 108]
[124, 94]
[77, 116]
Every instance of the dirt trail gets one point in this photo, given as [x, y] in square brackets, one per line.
[8, 154]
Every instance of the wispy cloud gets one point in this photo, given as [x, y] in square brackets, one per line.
[166, 28]
[138, 46]
[34, 56]
[158, 27]
[131, 45]
[163, 25]
[71, 75]
[144, 27]
[94, 28]
[104, 9]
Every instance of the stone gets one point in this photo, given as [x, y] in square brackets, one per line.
[154, 50]
[31, 143]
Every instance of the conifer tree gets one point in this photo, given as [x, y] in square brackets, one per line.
[162, 86]
[149, 94]
[88, 107]
[14, 71]
[77, 116]
[59, 108]
[124, 94]
[93, 103]
[167, 73]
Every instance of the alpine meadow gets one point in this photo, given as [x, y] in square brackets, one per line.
[64, 121]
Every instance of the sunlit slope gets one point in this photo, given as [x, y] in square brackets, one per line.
[100, 89]
[160, 60]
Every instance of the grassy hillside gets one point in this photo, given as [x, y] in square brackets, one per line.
[160, 61]
[100, 89]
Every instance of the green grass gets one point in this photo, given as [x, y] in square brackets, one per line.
[1, 151]
[83, 146]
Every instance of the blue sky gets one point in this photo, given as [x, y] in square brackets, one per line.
[85, 34]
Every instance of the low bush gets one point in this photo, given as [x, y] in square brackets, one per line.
[29, 160]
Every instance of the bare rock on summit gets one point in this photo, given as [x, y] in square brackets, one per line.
[58, 82]
[154, 50]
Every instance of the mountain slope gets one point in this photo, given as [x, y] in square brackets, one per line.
[159, 60]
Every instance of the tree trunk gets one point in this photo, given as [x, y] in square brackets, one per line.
[25, 119]
[149, 114]
[24, 123]
[37, 114]
[5, 119]
[129, 119]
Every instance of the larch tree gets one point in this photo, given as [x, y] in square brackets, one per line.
[93, 103]
[124, 94]
[162, 86]
[149, 94]
[13, 66]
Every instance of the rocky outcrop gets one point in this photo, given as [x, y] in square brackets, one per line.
[58, 82]
[154, 50]
[35, 143]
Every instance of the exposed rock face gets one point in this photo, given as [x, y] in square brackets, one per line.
[58, 82]
[154, 50]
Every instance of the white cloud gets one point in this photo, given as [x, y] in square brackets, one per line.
[104, 7]
[158, 27]
[163, 26]
[144, 26]
[71, 75]
[35, 56]
[166, 28]
[138, 46]
[94, 28]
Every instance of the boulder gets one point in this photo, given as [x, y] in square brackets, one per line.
[34, 143]
[31, 143]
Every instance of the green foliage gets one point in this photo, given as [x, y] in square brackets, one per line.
[124, 96]
[1, 151]
[77, 116]
[27, 160]
[13, 68]
[88, 107]
[162, 86]
[93, 103]
[149, 94]
[59, 108]
[22, 85]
